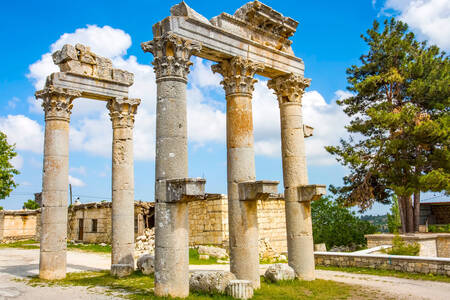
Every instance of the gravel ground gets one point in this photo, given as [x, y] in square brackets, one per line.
[21, 263]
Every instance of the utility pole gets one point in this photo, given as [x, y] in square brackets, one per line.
[70, 188]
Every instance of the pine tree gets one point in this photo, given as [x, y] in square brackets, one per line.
[400, 123]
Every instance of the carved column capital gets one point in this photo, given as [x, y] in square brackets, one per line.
[122, 111]
[57, 102]
[289, 88]
[238, 75]
[171, 55]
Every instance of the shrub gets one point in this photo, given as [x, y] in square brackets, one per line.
[439, 228]
[399, 247]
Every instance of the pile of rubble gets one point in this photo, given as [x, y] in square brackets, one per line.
[267, 252]
[145, 244]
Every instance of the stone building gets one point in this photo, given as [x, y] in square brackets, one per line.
[19, 224]
[208, 221]
[92, 222]
[435, 213]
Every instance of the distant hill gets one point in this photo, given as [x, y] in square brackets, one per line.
[379, 221]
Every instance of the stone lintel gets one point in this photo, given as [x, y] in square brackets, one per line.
[257, 190]
[307, 131]
[89, 87]
[312, 192]
[185, 189]
[219, 44]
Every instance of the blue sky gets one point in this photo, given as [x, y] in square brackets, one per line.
[327, 39]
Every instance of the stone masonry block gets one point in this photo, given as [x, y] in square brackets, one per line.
[257, 190]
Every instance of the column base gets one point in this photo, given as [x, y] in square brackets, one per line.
[121, 270]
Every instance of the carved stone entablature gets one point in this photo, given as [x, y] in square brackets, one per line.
[171, 55]
[260, 23]
[237, 75]
[122, 111]
[79, 59]
[289, 88]
[57, 102]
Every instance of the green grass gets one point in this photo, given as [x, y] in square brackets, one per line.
[398, 274]
[28, 244]
[138, 286]
[195, 260]
[90, 247]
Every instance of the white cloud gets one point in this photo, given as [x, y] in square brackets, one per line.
[27, 134]
[17, 162]
[13, 102]
[80, 170]
[76, 181]
[430, 19]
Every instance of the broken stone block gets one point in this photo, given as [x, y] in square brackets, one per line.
[121, 270]
[210, 282]
[146, 264]
[213, 252]
[203, 256]
[279, 272]
[240, 289]
[67, 53]
[122, 76]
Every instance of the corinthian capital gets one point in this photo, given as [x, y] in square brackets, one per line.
[122, 111]
[171, 55]
[238, 75]
[289, 88]
[57, 102]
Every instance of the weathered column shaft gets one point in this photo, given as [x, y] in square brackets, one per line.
[122, 111]
[57, 104]
[289, 90]
[171, 66]
[242, 215]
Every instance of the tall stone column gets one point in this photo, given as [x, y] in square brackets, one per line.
[122, 112]
[238, 83]
[57, 104]
[289, 90]
[171, 65]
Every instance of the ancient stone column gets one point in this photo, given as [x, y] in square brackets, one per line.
[122, 112]
[289, 90]
[238, 83]
[57, 104]
[171, 65]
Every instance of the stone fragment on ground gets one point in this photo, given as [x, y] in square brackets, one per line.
[279, 272]
[146, 264]
[121, 270]
[215, 252]
[210, 282]
[240, 289]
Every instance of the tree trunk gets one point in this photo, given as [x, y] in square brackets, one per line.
[416, 211]
[409, 214]
[401, 209]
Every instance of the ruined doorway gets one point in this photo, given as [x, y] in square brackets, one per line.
[80, 229]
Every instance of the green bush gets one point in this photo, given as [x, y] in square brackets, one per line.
[399, 247]
[439, 228]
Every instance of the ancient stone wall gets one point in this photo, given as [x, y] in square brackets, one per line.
[103, 232]
[431, 244]
[208, 222]
[411, 264]
[18, 225]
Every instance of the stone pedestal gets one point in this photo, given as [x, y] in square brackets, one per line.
[171, 66]
[238, 83]
[122, 111]
[240, 289]
[57, 104]
[289, 90]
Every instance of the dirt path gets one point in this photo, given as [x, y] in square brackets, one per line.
[19, 263]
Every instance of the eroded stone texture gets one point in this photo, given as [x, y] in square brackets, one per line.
[210, 282]
[146, 264]
[289, 90]
[80, 60]
[277, 272]
[122, 112]
[240, 289]
[238, 83]
[57, 104]
[171, 65]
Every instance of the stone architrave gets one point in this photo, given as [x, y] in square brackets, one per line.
[122, 112]
[171, 65]
[298, 195]
[57, 104]
[238, 83]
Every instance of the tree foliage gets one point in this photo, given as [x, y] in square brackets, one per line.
[399, 121]
[335, 225]
[7, 171]
[393, 217]
[30, 204]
